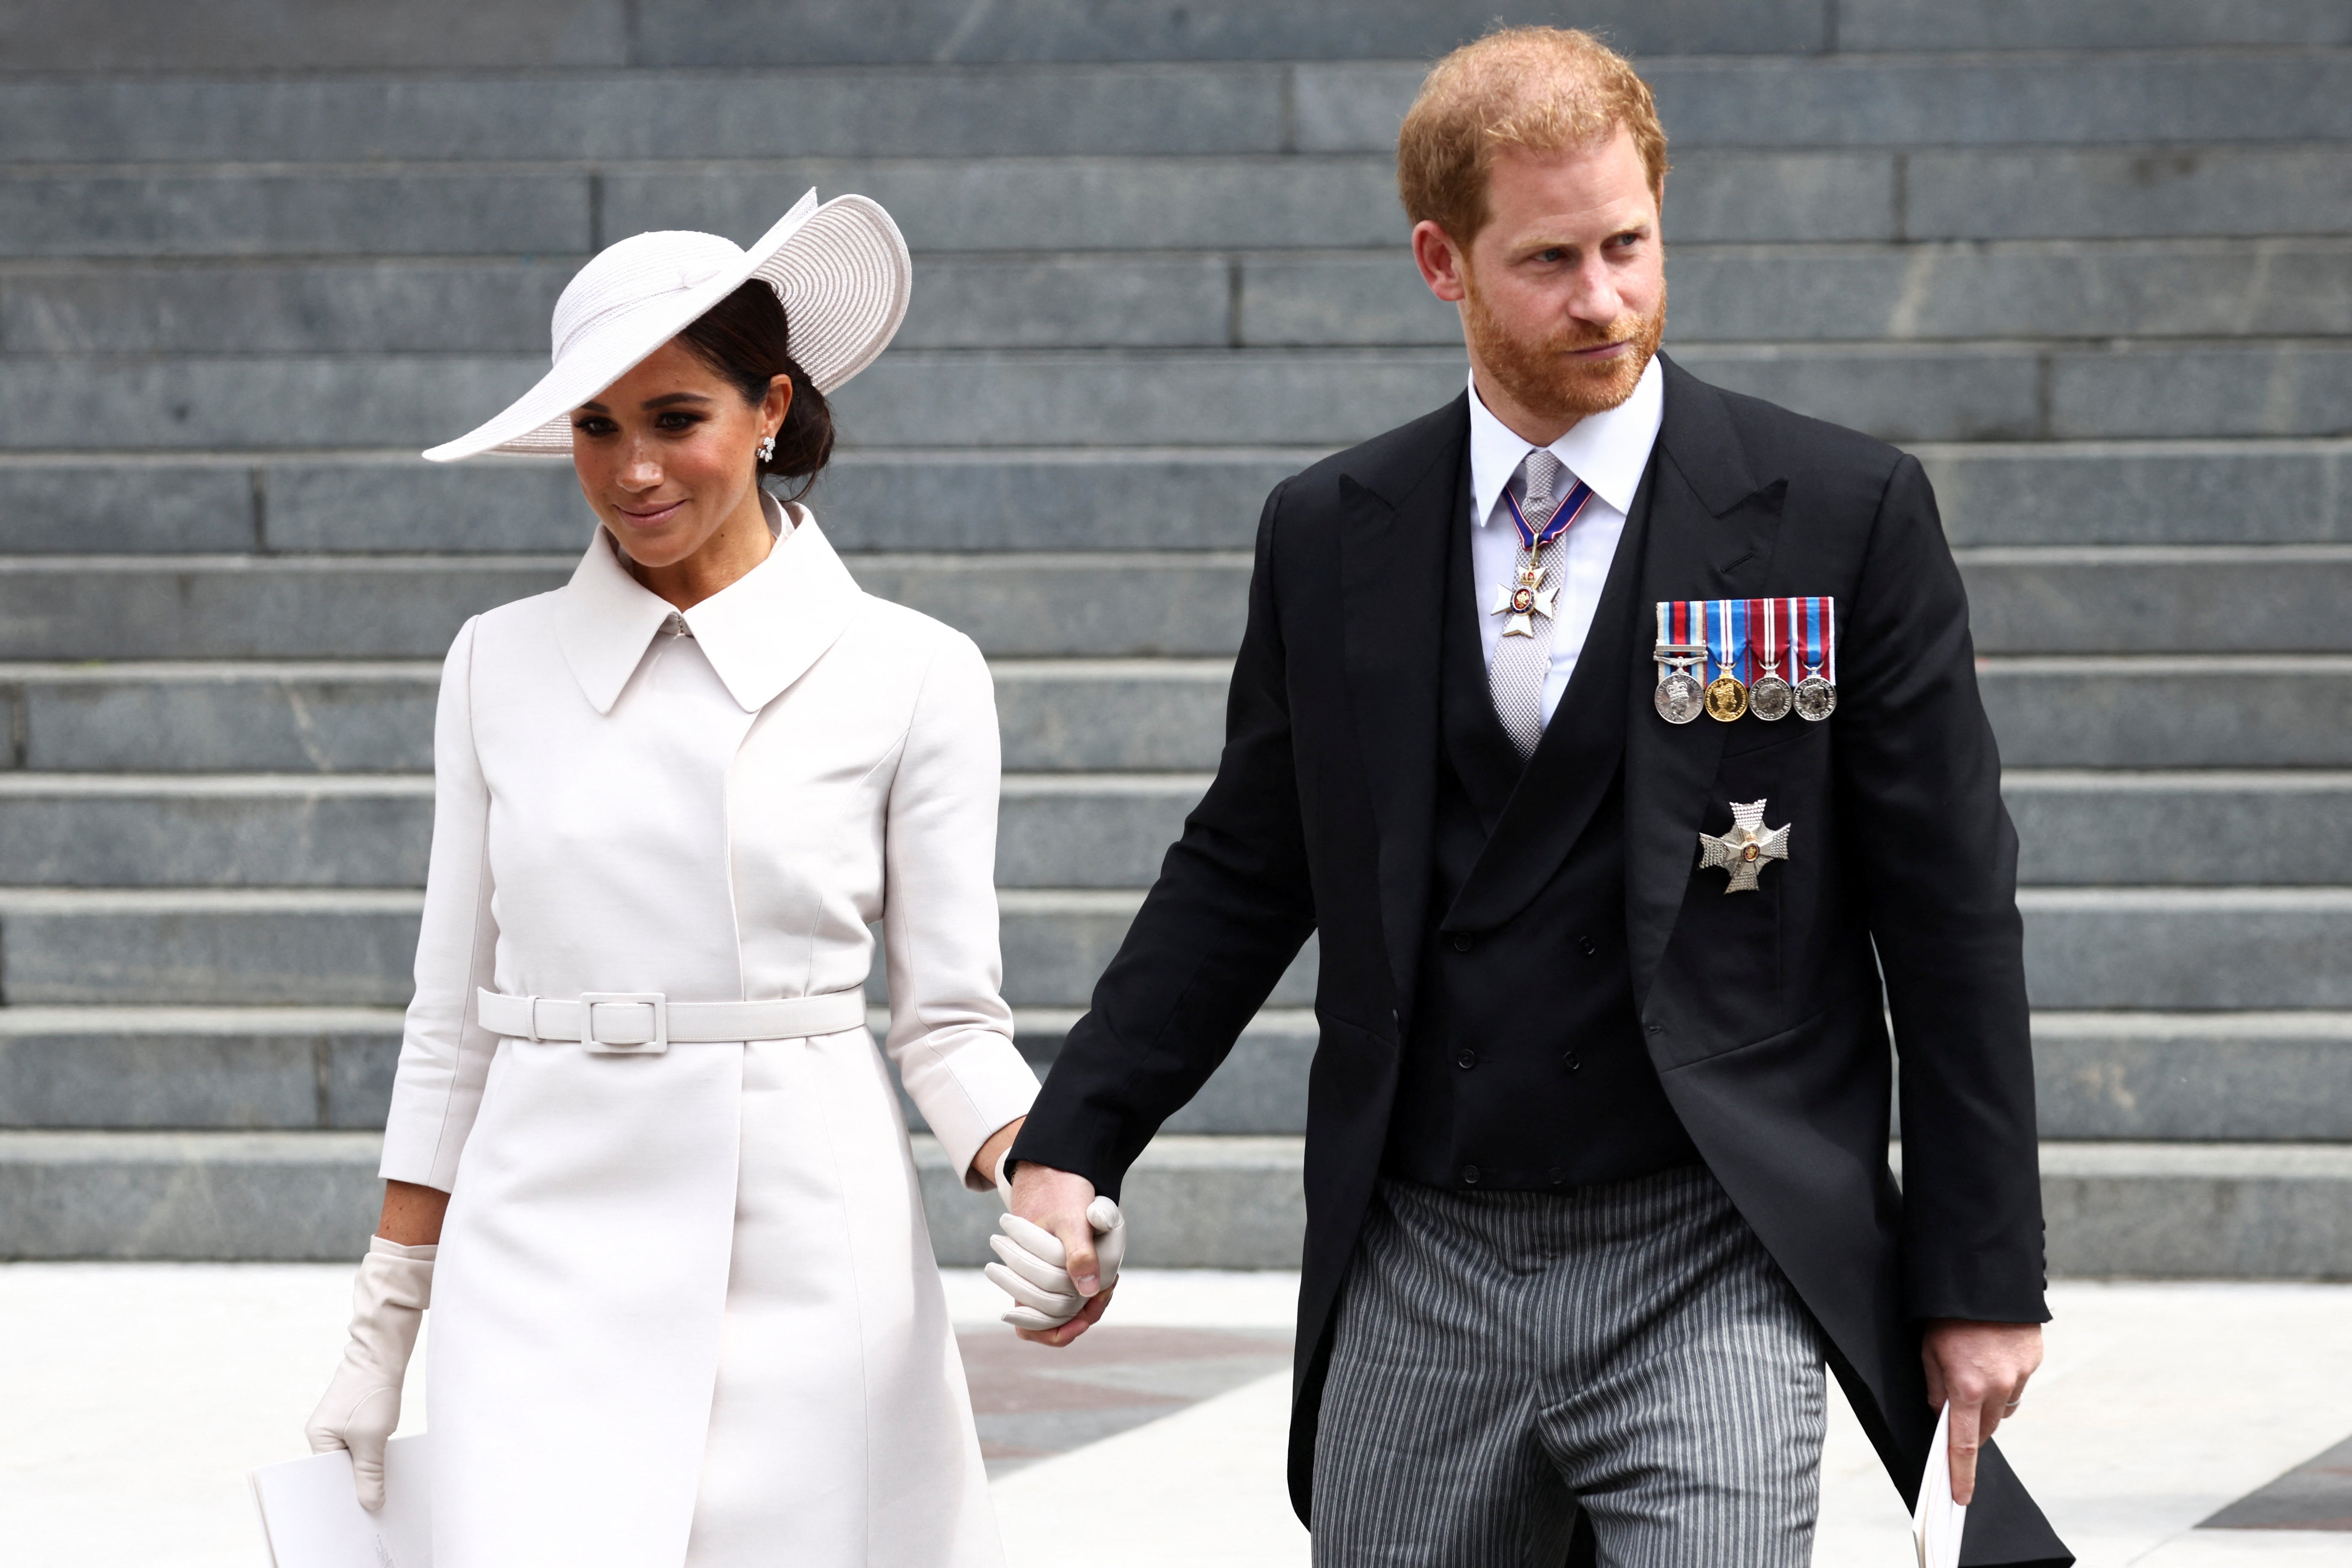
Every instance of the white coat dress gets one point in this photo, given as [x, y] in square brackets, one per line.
[684, 1313]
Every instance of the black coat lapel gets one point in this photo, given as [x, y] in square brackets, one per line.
[1397, 506]
[1566, 780]
[1713, 525]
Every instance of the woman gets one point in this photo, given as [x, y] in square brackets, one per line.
[685, 1305]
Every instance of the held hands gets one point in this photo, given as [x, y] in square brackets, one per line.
[1982, 1369]
[361, 1405]
[1059, 1254]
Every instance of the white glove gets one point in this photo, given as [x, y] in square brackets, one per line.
[363, 1402]
[1030, 1266]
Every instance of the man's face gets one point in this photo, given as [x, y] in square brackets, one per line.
[1563, 293]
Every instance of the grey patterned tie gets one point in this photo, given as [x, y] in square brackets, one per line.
[1521, 662]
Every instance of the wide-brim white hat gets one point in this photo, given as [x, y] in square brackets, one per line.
[841, 271]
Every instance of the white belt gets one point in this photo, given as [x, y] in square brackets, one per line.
[647, 1023]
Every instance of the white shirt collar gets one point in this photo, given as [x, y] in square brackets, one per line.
[761, 633]
[1607, 450]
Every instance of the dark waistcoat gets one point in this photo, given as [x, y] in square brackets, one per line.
[1524, 1067]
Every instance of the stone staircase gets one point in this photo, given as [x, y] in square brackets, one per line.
[2093, 262]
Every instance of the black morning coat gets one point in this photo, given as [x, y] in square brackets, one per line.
[1763, 1012]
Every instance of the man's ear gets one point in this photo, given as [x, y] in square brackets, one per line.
[1441, 261]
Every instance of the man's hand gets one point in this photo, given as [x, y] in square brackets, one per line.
[1981, 1368]
[1056, 1202]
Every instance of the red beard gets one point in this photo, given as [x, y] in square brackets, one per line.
[1545, 378]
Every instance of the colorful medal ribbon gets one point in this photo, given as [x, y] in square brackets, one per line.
[1814, 640]
[1726, 657]
[1571, 507]
[1680, 698]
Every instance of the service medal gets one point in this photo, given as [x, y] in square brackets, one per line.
[1680, 697]
[1813, 635]
[1770, 697]
[1727, 697]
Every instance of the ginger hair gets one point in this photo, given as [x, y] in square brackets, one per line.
[1543, 89]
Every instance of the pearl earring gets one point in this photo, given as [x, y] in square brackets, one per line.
[767, 448]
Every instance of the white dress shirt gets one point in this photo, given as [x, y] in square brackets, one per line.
[1607, 451]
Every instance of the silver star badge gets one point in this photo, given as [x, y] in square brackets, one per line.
[1744, 849]
[1522, 601]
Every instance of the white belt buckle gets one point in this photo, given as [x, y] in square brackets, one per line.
[592, 1000]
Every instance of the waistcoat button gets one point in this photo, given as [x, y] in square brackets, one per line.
[1586, 943]
[1463, 944]
[1470, 1174]
[1557, 1175]
[1466, 1060]
[1571, 1061]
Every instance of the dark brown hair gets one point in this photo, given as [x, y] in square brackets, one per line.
[746, 339]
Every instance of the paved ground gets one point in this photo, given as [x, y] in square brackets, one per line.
[133, 1396]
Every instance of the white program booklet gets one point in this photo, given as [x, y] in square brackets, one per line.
[313, 1519]
[1936, 1522]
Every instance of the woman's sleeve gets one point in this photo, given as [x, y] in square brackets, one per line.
[951, 1032]
[445, 1053]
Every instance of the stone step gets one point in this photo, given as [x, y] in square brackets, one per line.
[2019, 493]
[1064, 714]
[2142, 492]
[2158, 598]
[356, 947]
[2209, 712]
[1099, 831]
[2187, 948]
[1923, 101]
[1343, 106]
[2035, 599]
[2194, 1075]
[2057, 289]
[1123, 605]
[446, 34]
[2218, 828]
[2249, 1076]
[243, 606]
[2198, 1210]
[2162, 190]
[1120, 715]
[1094, 203]
[1723, 293]
[1330, 397]
[214, 717]
[262, 1068]
[2166, 1210]
[2145, 947]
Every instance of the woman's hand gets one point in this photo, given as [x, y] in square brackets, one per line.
[361, 1409]
[982, 1177]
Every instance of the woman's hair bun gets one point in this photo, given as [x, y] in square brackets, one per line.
[745, 338]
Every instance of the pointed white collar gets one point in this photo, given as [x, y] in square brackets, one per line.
[1607, 450]
[761, 633]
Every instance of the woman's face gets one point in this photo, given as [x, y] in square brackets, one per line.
[668, 455]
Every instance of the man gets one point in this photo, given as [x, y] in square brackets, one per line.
[1596, 1169]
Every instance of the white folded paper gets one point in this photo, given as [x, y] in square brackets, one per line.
[312, 1517]
[1937, 1521]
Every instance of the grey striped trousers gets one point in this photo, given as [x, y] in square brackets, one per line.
[1503, 1360]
